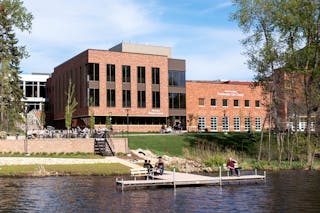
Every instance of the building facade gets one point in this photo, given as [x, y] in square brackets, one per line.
[138, 87]
[34, 90]
[225, 106]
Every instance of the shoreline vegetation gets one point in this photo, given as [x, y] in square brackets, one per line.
[208, 150]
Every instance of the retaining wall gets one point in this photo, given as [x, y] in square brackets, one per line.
[58, 145]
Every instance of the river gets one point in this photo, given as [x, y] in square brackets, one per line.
[284, 191]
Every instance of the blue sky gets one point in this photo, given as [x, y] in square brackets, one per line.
[199, 31]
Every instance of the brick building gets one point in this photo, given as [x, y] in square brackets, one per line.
[140, 87]
[223, 106]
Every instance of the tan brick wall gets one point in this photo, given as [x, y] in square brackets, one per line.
[231, 91]
[59, 145]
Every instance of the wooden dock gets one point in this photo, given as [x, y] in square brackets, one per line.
[186, 179]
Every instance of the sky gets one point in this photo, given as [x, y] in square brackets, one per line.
[199, 31]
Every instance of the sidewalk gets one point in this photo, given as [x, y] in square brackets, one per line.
[42, 161]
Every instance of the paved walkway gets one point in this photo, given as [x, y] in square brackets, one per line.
[40, 161]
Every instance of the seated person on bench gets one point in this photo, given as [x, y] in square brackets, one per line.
[233, 165]
[160, 166]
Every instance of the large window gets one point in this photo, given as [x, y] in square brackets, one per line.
[177, 100]
[155, 75]
[236, 123]
[111, 72]
[93, 71]
[31, 89]
[257, 103]
[246, 103]
[125, 73]
[213, 102]
[236, 103]
[202, 123]
[111, 98]
[177, 78]
[141, 72]
[225, 102]
[43, 92]
[93, 97]
[214, 124]
[258, 124]
[141, 99]
[201, 101]
[247, 124]
[155, 99]
[225, 124]
[126, 98]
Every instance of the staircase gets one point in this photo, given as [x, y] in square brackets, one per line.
[103, 145]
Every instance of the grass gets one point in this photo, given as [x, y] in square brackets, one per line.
[74, 169]
[171, 145]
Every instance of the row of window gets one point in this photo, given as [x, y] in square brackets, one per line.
[34, 89]
[176, 78]
[226, 124]
[225, 102]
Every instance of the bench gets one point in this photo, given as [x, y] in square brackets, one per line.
[139, 172]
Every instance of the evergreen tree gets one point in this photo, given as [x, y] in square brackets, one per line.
[13, 16]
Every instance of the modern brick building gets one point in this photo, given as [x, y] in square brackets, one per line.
[223, 106]
[139, 86]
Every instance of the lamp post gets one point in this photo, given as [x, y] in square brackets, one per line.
[127, 121]
[26, 128]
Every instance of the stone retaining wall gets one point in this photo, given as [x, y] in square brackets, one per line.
[58, 145]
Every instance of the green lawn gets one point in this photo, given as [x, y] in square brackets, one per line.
[171, 145]
[73, 169]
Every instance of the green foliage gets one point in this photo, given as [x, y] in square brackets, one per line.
[70, 105]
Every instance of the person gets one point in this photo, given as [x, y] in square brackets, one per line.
[233, 165]
[160, 166]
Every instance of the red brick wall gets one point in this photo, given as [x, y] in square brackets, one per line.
[59, 145]
[230, 91]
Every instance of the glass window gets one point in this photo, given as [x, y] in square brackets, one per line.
[43, 93]
[93, 71]
[93, 97]
[126, 73]
[257, 103]
[177, 100]
[201, 123]
[225, 124]
[247, 124]
[201, 101]
[126, 98]
[141, 99]
[141, 72]
[236, 103]
[31, 89]
[111, 98]
[247, 103]
[258, 124]
[111, 72]
[177, 78]
[236, 123]
[213, 102]
[214, 124]
[224, 102]
[155, 99]
[155, 75]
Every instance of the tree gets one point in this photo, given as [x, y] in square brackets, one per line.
[282, 46]
[13, 16]
[70, 105]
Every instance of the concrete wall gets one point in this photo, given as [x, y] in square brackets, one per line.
[58, 145]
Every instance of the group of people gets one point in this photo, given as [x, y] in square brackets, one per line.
[158, 169]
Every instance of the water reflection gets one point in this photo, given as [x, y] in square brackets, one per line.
[287, 191]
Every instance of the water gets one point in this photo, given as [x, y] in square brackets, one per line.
[286, 191]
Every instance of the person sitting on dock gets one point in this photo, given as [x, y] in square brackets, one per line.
[233, 165]
[160, 166]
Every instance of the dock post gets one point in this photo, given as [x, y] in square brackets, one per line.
[122, 185]
[255, 172]
[265, 176]
[220, 178]
[173, 178]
